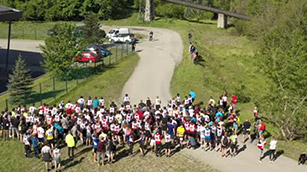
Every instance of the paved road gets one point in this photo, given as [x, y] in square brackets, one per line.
[152, 77]
[28, 49]
[158, 59]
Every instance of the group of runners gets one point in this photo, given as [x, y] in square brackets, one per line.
[181, 123]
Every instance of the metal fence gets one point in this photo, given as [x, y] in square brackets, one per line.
[50, 89]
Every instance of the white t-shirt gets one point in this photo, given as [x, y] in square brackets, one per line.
[40, 132]
[81, 101]
[273, 144]
[45, 149]
[158, 101]
[224, 98]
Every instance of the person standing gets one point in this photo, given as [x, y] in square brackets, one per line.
[158, 140]
[233, 145]
[6, 127]
[190, 37]
[168, 144]
[193, 95]
[70, 141]
[261, 143]
[246, 130]
[26, 141]
[35, 145]
[57, 159]
[47, 156]
[224, 144]
[101, 151]
[273, 144]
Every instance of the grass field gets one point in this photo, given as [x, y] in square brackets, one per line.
[83, 161]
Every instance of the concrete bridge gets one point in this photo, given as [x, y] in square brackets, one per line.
[222, 14]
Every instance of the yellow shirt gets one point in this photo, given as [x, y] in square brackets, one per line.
[180, 131]
[69, 139]
[49, 134]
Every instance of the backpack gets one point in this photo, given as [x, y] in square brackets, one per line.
[263, 126]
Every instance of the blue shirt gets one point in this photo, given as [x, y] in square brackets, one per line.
[95, 142]
[219, 114]
[194, 120]
[59, 128]
[170, 129]
[34, 142]
[193, 94]
[95, 103]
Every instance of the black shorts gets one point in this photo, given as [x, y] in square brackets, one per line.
[50, 141]
[168, 145]
[147, 133]
[142, 145]
[233, 146]
[95, 150]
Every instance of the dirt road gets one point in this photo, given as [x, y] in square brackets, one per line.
[152, 77]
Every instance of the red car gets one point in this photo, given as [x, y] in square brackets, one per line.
[88, 57]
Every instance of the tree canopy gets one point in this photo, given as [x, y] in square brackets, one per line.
[60, 50]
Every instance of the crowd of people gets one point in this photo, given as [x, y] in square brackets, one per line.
[181, 123]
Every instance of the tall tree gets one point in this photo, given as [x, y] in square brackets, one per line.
[60, 50]
[283, 59]
[20, 82]
[91, 31]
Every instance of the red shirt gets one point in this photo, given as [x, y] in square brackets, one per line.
[192, 127]
[158, 138]
[234, 99]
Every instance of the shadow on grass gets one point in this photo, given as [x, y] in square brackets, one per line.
[36, 97]
[200, 61]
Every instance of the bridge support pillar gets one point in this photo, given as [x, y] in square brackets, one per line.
[149, 10]
[222, 21]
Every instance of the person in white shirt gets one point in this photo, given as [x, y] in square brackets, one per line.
[126, 99]
[32, 109]
[81, 102]
[158, 103]
[101, 102]
[273, 144]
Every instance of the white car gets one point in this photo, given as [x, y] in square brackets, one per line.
[121, 38]
[112, 33]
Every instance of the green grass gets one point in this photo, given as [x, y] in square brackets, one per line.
[13, 160]
[28, 30]
[108, 84]
[228, 64]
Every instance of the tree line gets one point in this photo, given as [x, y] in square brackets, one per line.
[40, 10]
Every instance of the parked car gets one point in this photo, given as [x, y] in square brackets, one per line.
[105, 52]
[121, 38]
[88, 57]
[94, 48]
[112, 33]
[98, 50]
